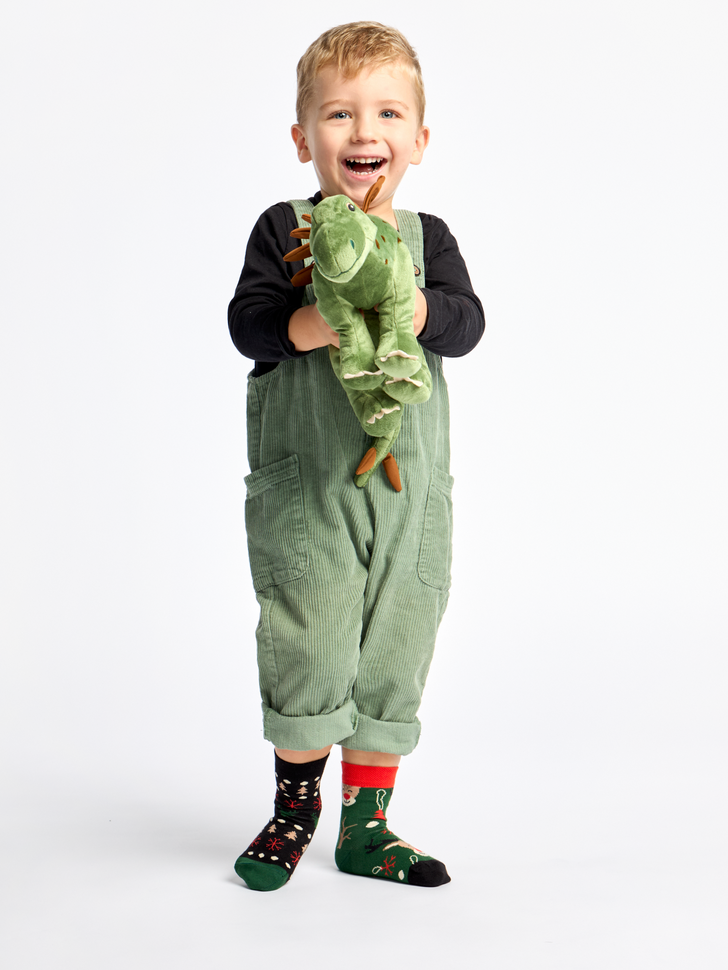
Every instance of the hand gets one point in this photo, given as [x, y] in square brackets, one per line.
[421, 310]
[332, 335]
[420, 318]
[308, 330]
[374, 309]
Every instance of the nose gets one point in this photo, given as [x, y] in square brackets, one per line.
[364, 130]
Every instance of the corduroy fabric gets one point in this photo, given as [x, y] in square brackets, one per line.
[352, 583]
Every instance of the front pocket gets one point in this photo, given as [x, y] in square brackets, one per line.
[436, 548]
[276, 524]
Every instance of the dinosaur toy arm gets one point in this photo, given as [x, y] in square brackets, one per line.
[398, 353]
[358, 369]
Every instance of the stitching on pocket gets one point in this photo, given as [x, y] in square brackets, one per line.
[276, 524]
[435, 558]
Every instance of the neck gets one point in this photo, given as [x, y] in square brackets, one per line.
[385, 211]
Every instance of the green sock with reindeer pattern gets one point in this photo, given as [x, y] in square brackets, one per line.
[367, 846]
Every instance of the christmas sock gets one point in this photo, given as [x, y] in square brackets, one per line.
[271, 857]
[367, 846]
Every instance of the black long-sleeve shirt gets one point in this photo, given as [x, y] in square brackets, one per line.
[264, 300]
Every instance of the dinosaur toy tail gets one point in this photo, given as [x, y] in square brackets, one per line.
[389, 464]
[379, 454]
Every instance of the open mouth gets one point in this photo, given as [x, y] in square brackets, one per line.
[364, 166]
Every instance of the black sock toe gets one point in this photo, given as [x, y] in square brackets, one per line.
[430, 873]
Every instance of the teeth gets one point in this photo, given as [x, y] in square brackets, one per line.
[365, 161]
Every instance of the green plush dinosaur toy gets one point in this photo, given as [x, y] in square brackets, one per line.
[361, 263]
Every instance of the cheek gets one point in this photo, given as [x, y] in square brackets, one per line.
[328, 148]
[403, 152]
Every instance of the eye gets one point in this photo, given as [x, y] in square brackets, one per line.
[388, 113]
[340, 115]
[349, 205]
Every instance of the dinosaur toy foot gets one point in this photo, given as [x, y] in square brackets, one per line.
[363, 380]
[410, 390]
[407, 391]
[355, 365]
[355, 372]
[398, 353]
[399, 364]
[378, 413]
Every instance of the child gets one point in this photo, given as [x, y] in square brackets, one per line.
[352, 582]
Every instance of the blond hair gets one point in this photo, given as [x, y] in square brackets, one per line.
[351, 47]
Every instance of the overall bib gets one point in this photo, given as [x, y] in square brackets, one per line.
[352, 582]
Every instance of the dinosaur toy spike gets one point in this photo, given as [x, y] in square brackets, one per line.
[303, 252]
[303, 277]
[367, 462]
[372, 194]
[300, 233]
[392, 471]
[306, 217]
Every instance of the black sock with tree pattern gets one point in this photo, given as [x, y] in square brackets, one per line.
[271, 857]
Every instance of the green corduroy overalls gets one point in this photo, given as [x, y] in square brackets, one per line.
[352, 582]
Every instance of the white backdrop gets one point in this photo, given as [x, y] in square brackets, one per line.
[574, 742]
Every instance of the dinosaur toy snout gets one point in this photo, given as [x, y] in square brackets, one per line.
[340, 246]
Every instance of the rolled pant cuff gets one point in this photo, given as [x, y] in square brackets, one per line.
[392, 737]
[309, 733]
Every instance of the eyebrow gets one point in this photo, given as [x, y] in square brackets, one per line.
[343, 103]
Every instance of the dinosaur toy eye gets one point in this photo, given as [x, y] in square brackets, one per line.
[351, 206]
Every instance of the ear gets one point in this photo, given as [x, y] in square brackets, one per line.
[299, 137]
[421, 142]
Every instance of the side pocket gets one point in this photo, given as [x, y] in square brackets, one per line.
[436, 549]
[276, 524]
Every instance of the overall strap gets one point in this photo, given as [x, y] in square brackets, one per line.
[301, 206]
[410, 229]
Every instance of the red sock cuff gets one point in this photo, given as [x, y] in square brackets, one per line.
[367, 776]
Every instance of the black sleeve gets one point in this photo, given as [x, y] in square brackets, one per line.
[264, 300]
[455, 320]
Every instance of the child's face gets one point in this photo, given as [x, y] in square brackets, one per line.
[354, 120]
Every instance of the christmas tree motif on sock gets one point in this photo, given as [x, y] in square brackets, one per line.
[270, 859]
[367, 846]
